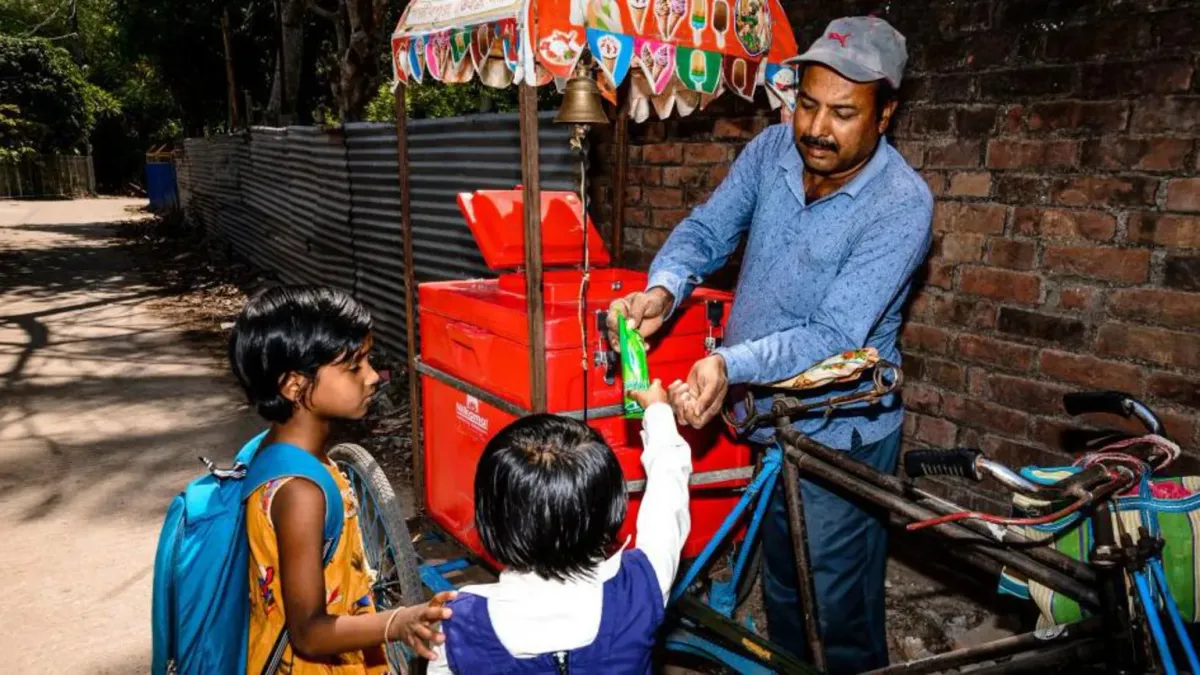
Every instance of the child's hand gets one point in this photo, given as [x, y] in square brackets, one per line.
[651, 395]
[416, 626]
[682, 401]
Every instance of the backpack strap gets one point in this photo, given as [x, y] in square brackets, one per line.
[283, 460]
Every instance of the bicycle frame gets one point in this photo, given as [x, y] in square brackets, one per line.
[1107, 637]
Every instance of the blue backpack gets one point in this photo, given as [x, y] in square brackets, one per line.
[201, 608]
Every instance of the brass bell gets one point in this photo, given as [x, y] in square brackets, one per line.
[581, 103]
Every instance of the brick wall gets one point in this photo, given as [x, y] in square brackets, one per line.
[1061, 143]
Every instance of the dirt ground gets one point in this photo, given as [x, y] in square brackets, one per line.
[112, 331]
[105, 404]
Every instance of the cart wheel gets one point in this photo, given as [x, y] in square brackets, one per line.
[386, 541]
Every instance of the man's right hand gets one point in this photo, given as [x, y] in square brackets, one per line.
[646, 310]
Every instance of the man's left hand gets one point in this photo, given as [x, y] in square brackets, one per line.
[708, 383]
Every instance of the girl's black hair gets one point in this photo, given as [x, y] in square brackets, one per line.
[549, 497]
[292, 329]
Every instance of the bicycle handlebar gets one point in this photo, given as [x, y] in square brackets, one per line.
[1112, 403]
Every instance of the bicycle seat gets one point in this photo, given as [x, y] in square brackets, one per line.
[843, 367]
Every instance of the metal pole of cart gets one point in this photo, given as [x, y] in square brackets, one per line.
[410, 301]
[533, 247]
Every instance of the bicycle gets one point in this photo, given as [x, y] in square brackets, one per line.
[1115, 635]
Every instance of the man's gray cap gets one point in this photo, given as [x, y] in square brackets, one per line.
[861, 48]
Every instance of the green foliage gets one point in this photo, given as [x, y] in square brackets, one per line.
[15, 133]
[436, 100]
[50, 95]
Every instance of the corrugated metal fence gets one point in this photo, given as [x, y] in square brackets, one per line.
[324, 206]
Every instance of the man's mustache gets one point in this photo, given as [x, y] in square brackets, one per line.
[821, 143]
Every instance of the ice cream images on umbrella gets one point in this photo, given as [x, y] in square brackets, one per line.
[535, 41]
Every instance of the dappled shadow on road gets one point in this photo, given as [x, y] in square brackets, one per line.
[104, 406]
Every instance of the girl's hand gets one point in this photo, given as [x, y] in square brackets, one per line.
[416, 626]
[651, 395]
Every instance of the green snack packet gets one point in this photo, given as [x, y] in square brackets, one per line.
[634, 373]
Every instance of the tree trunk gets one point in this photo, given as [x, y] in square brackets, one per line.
[286, 84]
[360, 35]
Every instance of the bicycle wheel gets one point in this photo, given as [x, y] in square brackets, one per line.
[386, 541]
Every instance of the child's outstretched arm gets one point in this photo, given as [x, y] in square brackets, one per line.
[663, 521]
[298, 514]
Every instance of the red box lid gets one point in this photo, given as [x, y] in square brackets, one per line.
[497, 222]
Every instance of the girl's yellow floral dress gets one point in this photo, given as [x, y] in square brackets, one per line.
[348, 581]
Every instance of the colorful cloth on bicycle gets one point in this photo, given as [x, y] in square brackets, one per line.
[632, 614]
[844, 367]
[348, 580]
[1176, 520]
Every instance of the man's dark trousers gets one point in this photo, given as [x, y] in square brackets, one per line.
[848, 550]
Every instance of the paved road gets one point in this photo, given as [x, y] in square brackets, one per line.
[103, 410]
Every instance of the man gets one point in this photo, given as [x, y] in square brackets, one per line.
[835, 224]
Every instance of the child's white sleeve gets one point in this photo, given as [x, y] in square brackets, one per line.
[439, 666]
[663, 521]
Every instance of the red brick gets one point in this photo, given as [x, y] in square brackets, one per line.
[706, 153]
[1128, 79]
[1030, 154]
[1028, 395]
[1169, 308]
[664, 197]
[636, 216]
[940, 273]
[1031, 81]
[922, 399]
[925, 338]
[1020, 189]
[913, 152]
[1077, 297]
[960, 247]
[924, 120]
[737, 127]
[975, 121]
[950, 310]
[977, 382]
[667, 219]
[1182, 272]
[953, 154]
[1017, 255]
[1142, 154]
[1001, 285]
[1130, 266]
[1166, 229]
[1090, 372]
[1183, 194]
[1020, 454]
[1156, 345]
[964, 217]
[663, 153]
[1181, 389]
[1173, 114]
[936, 180]
[1013, 120]
[645, 175]
[1061, 330]
[1008, 355]
[1071, 115]
[935, 432]
[984, 415]
[654, 239]
[945, 374]
[1064, 223]
[676, 176]
[1102, 191]
[716, 175]
[970, 184]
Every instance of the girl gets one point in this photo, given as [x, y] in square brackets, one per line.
[300, 353]
[549, 501]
